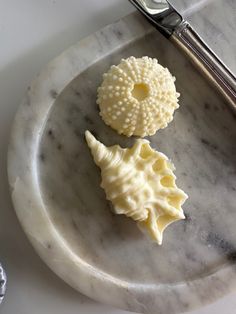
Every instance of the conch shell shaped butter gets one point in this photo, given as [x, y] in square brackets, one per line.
[140, 183]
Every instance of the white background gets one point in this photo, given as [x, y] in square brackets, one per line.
[31, 33]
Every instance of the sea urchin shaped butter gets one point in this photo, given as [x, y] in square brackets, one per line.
[137, 97]
[140, 183]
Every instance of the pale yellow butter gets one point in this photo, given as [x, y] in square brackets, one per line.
[137, 97]
[140, 183]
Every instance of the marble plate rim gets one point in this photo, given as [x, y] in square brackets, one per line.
[25, 193]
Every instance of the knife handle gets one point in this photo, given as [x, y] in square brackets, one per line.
[187, 39]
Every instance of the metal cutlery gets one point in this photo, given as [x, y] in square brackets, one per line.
[172, 25]
[3, 281]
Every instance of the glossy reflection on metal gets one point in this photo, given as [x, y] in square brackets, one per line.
[3, 280]
[188, 41]
[154, 6]
[160, 13]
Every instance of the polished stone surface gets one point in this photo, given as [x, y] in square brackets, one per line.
[55, 184]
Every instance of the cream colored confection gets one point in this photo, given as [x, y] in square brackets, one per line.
[140, 183]
[137, 97]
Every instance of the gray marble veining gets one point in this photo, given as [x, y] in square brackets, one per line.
[55, 183]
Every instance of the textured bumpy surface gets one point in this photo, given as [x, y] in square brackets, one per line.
[140, 183]
[137, 97]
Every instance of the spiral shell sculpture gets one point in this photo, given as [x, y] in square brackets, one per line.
[137, 97]
[140, 183]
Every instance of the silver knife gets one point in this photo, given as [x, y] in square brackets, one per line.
[171, 24]
[3, 281]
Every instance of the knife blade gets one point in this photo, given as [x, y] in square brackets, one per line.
[164, 17]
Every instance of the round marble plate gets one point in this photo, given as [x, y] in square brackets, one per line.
[57, 197]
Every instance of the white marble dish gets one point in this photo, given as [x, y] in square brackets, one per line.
[56, 193]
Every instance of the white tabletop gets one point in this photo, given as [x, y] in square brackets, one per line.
[32, 33]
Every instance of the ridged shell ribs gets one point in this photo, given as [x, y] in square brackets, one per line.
[137, 97]
[140, 183]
